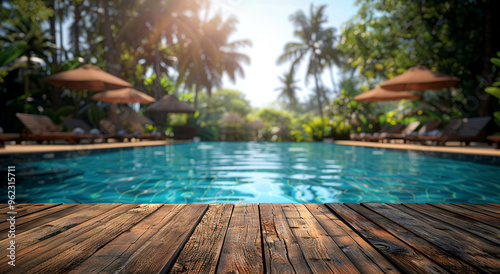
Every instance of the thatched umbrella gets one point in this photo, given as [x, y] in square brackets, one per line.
[379, 94]
[87, 77]
[130, 116]
[232, 118]
[171, 104]
[121, 96]
[256, 125]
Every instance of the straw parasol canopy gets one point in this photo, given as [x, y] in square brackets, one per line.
[170, 104]
[379, 94]
[231, 118]
[123, 96]
[87, 77]
[420, 78]
[130, 116]
[256, 125]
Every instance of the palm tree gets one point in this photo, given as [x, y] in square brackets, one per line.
[24, 28]
[315, 42]
[207, 55]
[289, 88]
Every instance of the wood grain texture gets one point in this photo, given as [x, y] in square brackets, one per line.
[52, 231]
[202, 251]
[242, 249]
[321, 253]
[27, 222]
[469, 214]
[458, 244]
[491, 208]
[281, 249]
[366, 258]
[24, 210]
[70, 251]
[252, 238]
[117, 252]
[159, 253]
[487, 210]
[470, 225]
[399, 252]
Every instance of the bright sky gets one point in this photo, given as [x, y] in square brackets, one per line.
[266, 23]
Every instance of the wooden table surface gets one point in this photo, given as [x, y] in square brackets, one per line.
[253, 238]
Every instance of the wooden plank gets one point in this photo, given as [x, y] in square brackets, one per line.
[159, 253]
[25, 223]
[114, 255]
[489, 210]
[493, 204]
[366, 258]
[242, 250]
[321, 253]
[399, 252]
[479, 209]
[25, 210]
[469, 214]
[480, 254]
[18, 207]
[421, 244]
[73, 251]
[54, 216]
[201, 252]
[282, 252]
[470, 225]
[44, 235]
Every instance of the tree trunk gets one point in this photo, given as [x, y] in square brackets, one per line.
[334, 87]
[76, 31]
[484, 98]
[55, 95]
[111, 54]
[196, 92]
[318, 96]
[27, 73]
[52, 22]
[61, 44]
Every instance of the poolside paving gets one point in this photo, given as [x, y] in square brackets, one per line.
[451, 147]
[253, 238]
[35, 148]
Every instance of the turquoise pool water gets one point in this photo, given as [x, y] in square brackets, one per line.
[256, 173]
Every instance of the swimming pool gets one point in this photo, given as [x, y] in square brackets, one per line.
[220, 172]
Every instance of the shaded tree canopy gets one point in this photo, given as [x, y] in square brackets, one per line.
[456, 37]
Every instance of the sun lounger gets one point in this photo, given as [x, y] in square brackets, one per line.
[141, 135]
[393, 130]
[496, 140]
[40, 128]
[449, 129]
[470, 130]
[411, 127]
[8, 137]
[363, 135]
[425, 130]
[115, 131]
[74, 125]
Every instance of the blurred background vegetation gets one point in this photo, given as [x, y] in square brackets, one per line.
[175, 47]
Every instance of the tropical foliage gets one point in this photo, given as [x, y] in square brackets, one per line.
[185, 47]
[315, 47]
